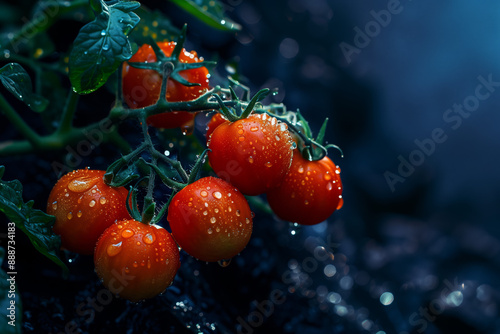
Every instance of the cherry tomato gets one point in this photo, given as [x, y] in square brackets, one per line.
[84, 206]
[141, 88]
[310, 193]
[253, 154]
[210, 219]
[136, 261]
[216, 120]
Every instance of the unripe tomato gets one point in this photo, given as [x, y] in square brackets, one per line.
[84, 206]
[136, 261]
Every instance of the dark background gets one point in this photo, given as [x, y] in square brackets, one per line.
[431, 241]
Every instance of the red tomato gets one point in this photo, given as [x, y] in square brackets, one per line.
[136, 261]
[141, 88]
[210, 219]
[310, 193]
[253, 154]
[84, 206]
[216, 120]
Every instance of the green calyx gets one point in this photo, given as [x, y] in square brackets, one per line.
[232, 114]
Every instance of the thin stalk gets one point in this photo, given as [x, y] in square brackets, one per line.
[18, 122]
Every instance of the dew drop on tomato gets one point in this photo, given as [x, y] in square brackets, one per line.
[114, 249]
[213, 220]
[92, 203]
[341, 203]
[82, 184]
[54, 205]
[102, 200]
[70, 215]
[209, 231]
[148, 239]
[217, 195]
[224, 263]
[127, 233]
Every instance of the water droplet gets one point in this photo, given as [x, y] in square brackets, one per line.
[386, 298]
[277, 137]
[301, 169]
[206, 205]
[327, 176]
[79, 214]
[54, 205]
[114, 249]
[254, 128]
[102, 200]
[240, 131]
[283, 127]
[238, 213]
[205, 212]
[241, 138]
[303, 182]
[105, 47]
[341, 203]
[127, 233]
[103, 32]
[204, 193]
[273, 121]
[268, 164]
[247, 220]
[209, 231]
[135, 264]
[306, 202]
[213, 220]
[149, 264]
[217, 195]
[250, 159]
[69, 215]
[224, 263]
[148, 239]
[264, 117]
[92, 203]
[229, 209]
[216, 210]
[66, 195]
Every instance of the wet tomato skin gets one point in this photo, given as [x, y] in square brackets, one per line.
[310, 192]
[141, 87]
[84, 206]
[210, 219]
[216, 120]
[136, 261]
[253, 154]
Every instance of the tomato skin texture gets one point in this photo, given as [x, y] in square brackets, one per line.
[254, 154]
[216, 120]
[310, 193]
[210, 219]
[141, 88]
[84, 206]
[145, 257]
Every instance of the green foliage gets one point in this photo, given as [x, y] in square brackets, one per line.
[36, 224]
[17, 81]
[102, 45]
[211, 12]
[5, 299]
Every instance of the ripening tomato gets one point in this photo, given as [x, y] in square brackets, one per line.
[253, 154]
[84, 206]
[310, 192]
[136, 261]
[210, 219]
[216, 120]
[141, 88]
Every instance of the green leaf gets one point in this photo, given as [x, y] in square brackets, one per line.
[9, 323]
[36, 224]
[211, 12]
[17, 81]
[101, 46]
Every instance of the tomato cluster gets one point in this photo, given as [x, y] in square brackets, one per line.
[210, 219]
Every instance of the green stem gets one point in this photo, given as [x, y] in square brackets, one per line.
[18, 122]
[68, 112]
